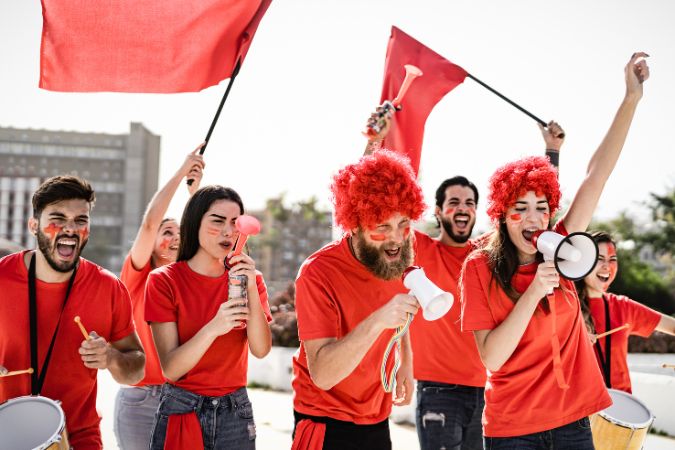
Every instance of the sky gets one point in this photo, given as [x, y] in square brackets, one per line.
[314, 74]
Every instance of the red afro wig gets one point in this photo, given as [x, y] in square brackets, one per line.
[367, 193]
[513, 180]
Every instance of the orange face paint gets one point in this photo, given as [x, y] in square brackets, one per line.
[83, 233]
[378, 237]
[449, 211]
[52, 230]
[212, 231]
[165, 243]
[516, 217]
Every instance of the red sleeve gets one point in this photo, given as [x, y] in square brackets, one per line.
[160, 303]
[262, 293]
[559, 228]
[476, 313]
[134, 278]
[315, 308]
[123, 323]
[642, 320]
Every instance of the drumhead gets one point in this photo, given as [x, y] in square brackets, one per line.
[627, 411]
[29, 422]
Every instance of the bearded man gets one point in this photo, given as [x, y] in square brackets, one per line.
[43, 291]
[349, 300]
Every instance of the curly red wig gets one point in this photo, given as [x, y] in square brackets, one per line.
[513, 180]
[369, 192]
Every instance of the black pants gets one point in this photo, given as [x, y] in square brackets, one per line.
[342, 435]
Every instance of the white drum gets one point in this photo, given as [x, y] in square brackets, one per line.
[32, 423]
[624, 425]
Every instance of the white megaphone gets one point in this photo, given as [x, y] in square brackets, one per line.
[574, 255]
[435, 302]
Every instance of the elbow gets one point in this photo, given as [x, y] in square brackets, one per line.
[170, 376]
[260, 353]
[490, 363]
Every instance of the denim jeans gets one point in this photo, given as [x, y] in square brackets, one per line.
[135, 409]
[448, 416]
[573, 436]
[227, 421]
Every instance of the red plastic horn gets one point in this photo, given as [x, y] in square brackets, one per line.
[246, 226]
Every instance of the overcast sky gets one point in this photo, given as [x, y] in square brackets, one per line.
[314, 73]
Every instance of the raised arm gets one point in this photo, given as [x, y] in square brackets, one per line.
[605, 157]
[382, 119]
[666, 325]
[554, 137]
[141, 250]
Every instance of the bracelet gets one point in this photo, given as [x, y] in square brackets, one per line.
[553, 156]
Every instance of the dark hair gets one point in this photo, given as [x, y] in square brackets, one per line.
[199, 203]
[454, 181]
[600, 237]
[63, 187]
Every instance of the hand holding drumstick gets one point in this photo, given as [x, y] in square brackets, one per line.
[95, 351]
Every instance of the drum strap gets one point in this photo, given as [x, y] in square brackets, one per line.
[606, 358]
[38, 377]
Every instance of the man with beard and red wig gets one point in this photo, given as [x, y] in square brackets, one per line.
[349, 299]
[450, 390]
[58, 285]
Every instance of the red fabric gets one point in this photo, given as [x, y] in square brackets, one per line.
[642, 320]
[309, 435]
[135, 280]
[440, 76]
[184, 431]
[524, 396]
[144, 45]
[443, 264]
[175, 293]
[102, 302]
[334, 293]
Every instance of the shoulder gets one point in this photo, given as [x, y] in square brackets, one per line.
[478, 259]
[323, 260]
[95, 273]
[12, 260]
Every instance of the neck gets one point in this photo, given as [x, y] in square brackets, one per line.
[445, 239]
[158, 261]
[526, 258]
[205, 264]
[593, 293]
[43, 271]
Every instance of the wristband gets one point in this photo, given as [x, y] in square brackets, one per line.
[553, 156]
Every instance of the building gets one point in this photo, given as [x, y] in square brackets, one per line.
[288, 236]
[122, 168]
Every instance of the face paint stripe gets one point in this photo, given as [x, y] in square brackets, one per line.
[516, 217]
[378, 237]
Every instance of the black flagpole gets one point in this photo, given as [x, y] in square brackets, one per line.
[541, 122]
[235, 72]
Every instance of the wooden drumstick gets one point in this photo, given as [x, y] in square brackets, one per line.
[625, 325]
[17, 372]
[82, 329]
[668, 366]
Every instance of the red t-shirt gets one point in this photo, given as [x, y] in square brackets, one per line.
[101, 301]
[176, 293]
[334, 293]
[622, 310]
[523, 396]
[459, 361]
[135, 280]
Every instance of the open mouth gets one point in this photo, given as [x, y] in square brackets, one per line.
[173, 248]
[226, 245]
[603, 278]
[529, 233]
[65, 247]
[392, 254]
[461, 221]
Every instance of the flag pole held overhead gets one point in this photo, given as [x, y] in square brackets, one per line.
[498, 94]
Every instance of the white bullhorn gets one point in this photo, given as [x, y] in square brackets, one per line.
[574, 255]
[435, 301]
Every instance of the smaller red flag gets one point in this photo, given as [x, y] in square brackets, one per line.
[144, 45]
[440, 77]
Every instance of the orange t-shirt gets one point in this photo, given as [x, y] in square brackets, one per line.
[135, 280]
[459, 361]
[334, 293]
[101, 301]
[176, 293]
[622, 310]
[523, 396]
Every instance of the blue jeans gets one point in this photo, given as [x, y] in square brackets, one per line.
[448, 416]
[573, 436]
[135, 409]
[227, 421]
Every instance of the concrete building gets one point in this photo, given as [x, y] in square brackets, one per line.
[288, 236]
[122, 168]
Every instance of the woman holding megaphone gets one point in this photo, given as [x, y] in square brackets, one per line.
[605, 312]
[543, 382]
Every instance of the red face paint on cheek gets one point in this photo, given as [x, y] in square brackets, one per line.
[165, 243]
[406, 232]
[546, 216]
[378, 237]
[449, 211]
[52, 230]
[84, 234]
[212, 231]
[516, 217]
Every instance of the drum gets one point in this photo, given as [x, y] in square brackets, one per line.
[623, 425]
[32, 422]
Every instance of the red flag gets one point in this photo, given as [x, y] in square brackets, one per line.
[440, 76]
[144, 45]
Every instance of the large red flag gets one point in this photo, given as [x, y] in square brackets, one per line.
[144, 45]
[440, 77]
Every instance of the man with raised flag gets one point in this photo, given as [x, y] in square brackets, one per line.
[349, 300]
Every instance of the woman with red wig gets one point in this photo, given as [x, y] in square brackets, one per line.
[543, 380]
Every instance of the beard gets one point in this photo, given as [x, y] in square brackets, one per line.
[373, 258]
[459, 238]
[47, 248]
